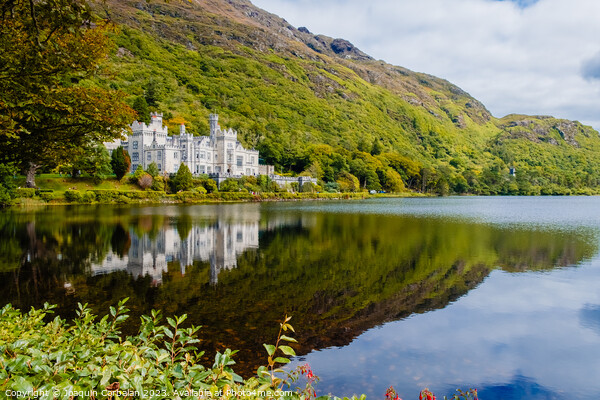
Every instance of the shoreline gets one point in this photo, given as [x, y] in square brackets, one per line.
[102, 197]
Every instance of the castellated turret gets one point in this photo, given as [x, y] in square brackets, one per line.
[156, 119]
[214, 123]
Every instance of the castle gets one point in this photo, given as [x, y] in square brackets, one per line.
[220, 155]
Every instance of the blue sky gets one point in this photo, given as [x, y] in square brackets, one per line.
[521, 3]
[539, 57]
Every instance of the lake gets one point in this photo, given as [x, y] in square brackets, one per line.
[495, 293]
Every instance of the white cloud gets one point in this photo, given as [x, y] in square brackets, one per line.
[538, 59]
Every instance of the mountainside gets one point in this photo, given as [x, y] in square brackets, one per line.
[317, 104]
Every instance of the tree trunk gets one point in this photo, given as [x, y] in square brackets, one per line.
[30, 181]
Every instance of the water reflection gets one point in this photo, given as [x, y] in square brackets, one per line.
[236, 269]
[219, 243]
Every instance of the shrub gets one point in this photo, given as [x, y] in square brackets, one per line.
[183, 179]
[199, 190]
[137, 174]
[145, 181]
[332, 187]
[73, 196]
[229, 185]
[210, 185]
[47, 196]
[7, 184]
[122, 200]
[158, 184]
[152, 170]
[89, 197]
[27, 193]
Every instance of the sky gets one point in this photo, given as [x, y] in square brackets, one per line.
[537, 57]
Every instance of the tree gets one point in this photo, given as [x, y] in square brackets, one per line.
[152, 170]
[141, 107]
[46, 48]
[348, 182]
[145, 181]
[229, 185]
[93, 160]
[183, 179]
[7, 185]
[120, 162]
[377, 148]
[137, 174]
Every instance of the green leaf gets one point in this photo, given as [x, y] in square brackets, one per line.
[288, 339]
[282, 360]
[287, 350]
[22, 385]
[105, 377]
[270, 349]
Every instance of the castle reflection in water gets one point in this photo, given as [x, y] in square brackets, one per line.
[218, 241]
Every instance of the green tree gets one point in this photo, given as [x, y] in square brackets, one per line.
[348, 182]
[46, 48]
[183, 179]
[141, 107]
[93, 160]
[7, 185]
[120, 162]
[377, 148]
[154, 93]
[137, 174]
[152, 170]
[229, 185]
[363, 145]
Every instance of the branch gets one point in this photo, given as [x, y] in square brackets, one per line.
[35, 23]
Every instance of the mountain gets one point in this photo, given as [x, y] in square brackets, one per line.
[315, 104]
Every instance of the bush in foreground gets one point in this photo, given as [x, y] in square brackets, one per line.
[89, 359]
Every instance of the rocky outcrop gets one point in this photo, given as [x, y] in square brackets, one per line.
[543, 129]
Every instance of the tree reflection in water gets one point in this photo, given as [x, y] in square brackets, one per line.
[236, 269]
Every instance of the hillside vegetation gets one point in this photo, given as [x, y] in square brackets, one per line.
[319, 105]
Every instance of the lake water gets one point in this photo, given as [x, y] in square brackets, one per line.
[495, 293]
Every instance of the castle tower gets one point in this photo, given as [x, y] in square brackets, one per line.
[214, 123]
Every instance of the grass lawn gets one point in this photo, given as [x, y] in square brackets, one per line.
[62, 183]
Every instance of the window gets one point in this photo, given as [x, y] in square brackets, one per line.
[202, 155]
[197, 156]
[240, 161]
[159, 155]
[135, 145]
[133, 167]
[230, 145]
[208, 169]
[252, 160]
[197, 168]
[175, 155]
[159, 166]
[135, 157]
[149, 156]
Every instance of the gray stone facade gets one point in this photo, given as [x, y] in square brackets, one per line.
[219, 155]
